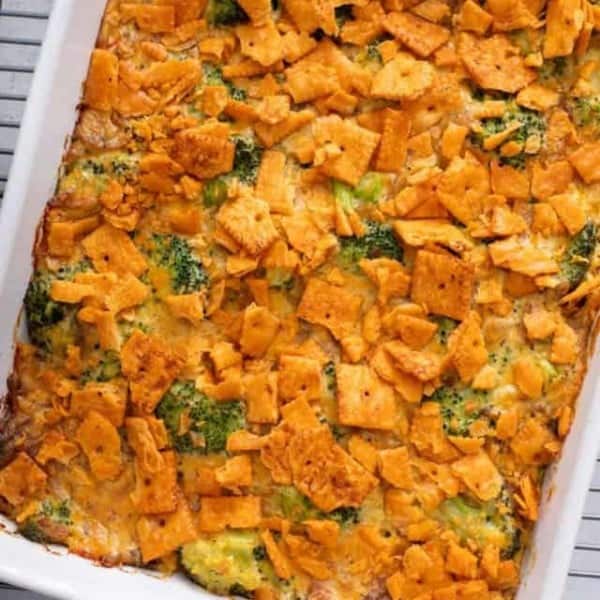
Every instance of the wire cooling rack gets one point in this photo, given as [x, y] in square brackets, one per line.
[22, 28]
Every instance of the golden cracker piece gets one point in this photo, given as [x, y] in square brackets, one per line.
[423, 365]
[421, 36]
[248, 221]
[392, 149]
[466, 347]
[402, 78]
[564, 20]
[355, 143]
[513, 255]
[494, 63]
[586, 162]
[325, 473]
[111, 249]
[334, 307]
[202, 154]
[308, 80]
[259, 11]
[364, 400]
[480, 475]
[443, 284]
[299, 377]
[420, 232]
[102, 81]
[261, 43]
[270, 184]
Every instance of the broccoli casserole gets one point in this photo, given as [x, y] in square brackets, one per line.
[312, 300]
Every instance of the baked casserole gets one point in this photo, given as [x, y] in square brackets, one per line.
[312, 301]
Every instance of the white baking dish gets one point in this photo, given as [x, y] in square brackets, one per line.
[48, 121]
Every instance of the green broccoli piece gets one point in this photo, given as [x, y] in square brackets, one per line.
[107, 367]
[246, 161]
[280, 278]
[225, 12]
[174, 253]
[231, 563]
[213, 75]
[51, 325]
[57, 511]
[379, 241]
[532, 123]
[50, 524]
[112, 164]
[368, 190]
[210, 422]
[554, 68]
[345, 515]
[293, 505]
[576, 259]
[214, 192]
[446, 326]
[31, 530]
[586, 112]
[343, 13]
[259, 552]
[93, 167]
[297, 508]
[484, 523]
[460, 408]
[372, 52]
[330, 378]
[501, 357]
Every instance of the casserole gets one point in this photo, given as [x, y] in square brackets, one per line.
[567, 483]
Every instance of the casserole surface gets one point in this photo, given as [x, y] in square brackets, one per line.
[455, 467]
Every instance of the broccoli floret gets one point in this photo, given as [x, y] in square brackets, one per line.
[214, 192]
[293, 505]
[373, 53]
[228, 563]
[50, 524]
[114, 164]
[501, 357]
[445, 327]
[246, 162]
[330, 378]
[259, 552]
[553, 67]
[93, 167]
[51, 325]
[280, 278]
[174, 253]
[31, 530]
[57, 511]
[225, 12]
[586, 112]
[576, 259]
[214, 76]
[557, 70]
[343, 13]
[532, 124]
[247, 159]
[345, 515]
[368, 190]
[484, 523]
[210, 422]
[297, 508]
[379, 241]
[107, 367]
[460, 408]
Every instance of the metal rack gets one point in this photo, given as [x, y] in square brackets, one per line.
[22, 28]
